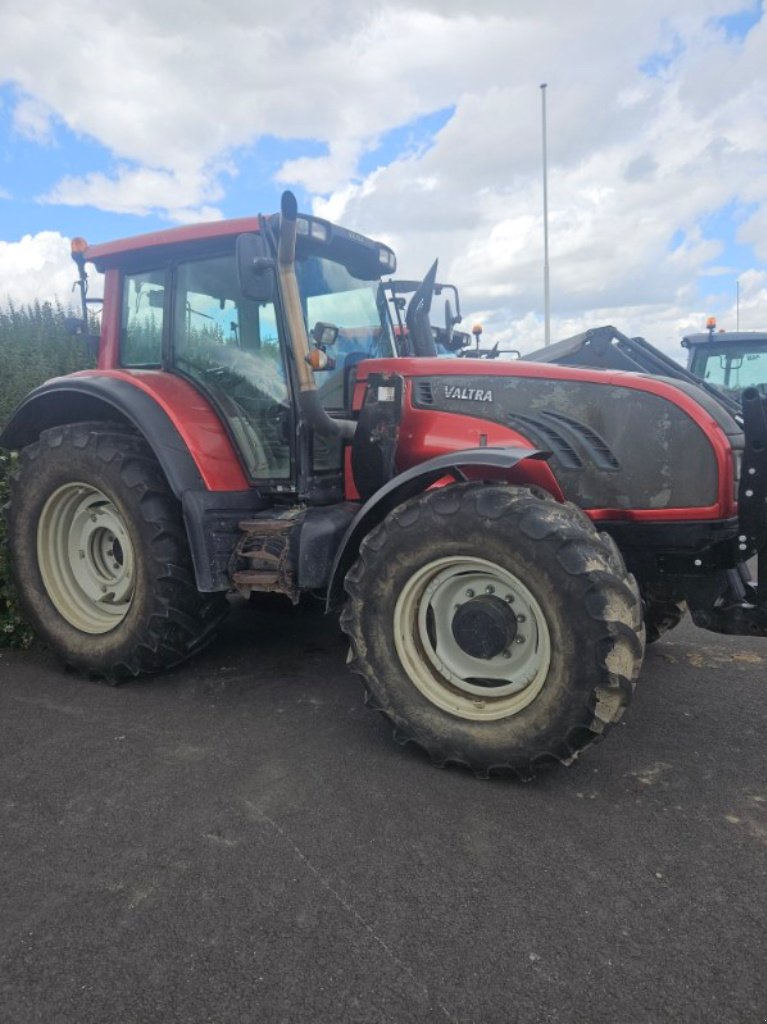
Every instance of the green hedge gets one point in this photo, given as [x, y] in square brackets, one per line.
[14, 632]
[34, 346]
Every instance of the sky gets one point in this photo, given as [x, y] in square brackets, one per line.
[419, 124]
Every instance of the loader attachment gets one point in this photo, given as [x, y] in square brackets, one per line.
[741, 608]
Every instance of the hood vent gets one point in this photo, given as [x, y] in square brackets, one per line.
[597, 448]
[550, 437]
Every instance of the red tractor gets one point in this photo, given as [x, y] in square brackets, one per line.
[499, 535]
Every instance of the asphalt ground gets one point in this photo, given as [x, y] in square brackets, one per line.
[242, 841]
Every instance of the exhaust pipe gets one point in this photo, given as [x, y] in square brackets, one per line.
[310, 406]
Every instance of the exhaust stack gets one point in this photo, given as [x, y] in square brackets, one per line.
[312, 411]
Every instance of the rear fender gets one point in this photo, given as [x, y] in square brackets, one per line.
[472, 463]
[207, 462]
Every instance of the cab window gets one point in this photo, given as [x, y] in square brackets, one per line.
[229, 346]
[141, 329]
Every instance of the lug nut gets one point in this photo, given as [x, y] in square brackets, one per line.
[489, 589]
[470, 593]
[521, 618]
[519, 640]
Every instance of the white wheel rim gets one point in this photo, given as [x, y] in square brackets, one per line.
[86, 558]
[486, 688]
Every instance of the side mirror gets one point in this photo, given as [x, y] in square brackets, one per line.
[324, 334]
[255, 269]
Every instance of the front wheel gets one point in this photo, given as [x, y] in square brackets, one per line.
[494, 627]
[100, 556]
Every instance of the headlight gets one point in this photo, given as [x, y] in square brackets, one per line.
[387, 259]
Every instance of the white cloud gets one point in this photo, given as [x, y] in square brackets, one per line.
[142, 190]
[754, 232]
[33, 120]
[172, 90]
[37, 268]
[323, 174]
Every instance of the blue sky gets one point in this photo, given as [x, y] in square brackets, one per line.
[29, 170]
[418, 124]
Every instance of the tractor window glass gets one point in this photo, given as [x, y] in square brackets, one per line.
[230, 346]
[358, 308]
[142, 319]
[736, 369]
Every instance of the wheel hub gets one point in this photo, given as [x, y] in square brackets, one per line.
[86, 558]
[472, 637]
[484, 627]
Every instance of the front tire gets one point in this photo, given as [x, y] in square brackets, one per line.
[494, 627]
[100, 557]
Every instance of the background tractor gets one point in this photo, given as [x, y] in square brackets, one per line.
[499, 536]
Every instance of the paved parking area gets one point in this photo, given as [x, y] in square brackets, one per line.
[242, 841]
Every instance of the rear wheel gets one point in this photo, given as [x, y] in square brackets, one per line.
[100, 555]
[494, 627]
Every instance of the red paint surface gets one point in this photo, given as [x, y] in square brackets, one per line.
[109, 349]
[350, 488]
[196, 421]
[426, 434]
[106, 252]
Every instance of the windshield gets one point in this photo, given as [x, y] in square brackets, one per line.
[734, 368]
[330, 294]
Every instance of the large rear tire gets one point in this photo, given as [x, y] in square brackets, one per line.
[494, 627]
[100, 556]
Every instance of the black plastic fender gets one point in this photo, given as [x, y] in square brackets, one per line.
[406, 485]
[78, 399]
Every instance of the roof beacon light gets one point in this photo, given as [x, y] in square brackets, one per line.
[711, 324]
[77, 247]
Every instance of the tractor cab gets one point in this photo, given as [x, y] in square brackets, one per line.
[208, 306]
[729, 360]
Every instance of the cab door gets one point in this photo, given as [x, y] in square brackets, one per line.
[229, 346]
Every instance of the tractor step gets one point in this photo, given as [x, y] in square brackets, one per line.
[265, 544]
[257, 579]
[268, 527]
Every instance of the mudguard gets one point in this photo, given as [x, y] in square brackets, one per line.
[406, 485]
[95, 395]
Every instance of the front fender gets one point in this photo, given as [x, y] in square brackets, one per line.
[407, 485]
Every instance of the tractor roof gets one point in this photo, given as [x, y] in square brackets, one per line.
[723, 337]
[108, 253]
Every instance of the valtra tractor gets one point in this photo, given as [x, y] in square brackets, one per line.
[500, 537]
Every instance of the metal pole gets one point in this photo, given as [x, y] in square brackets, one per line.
[546, 309]
[737, 304]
